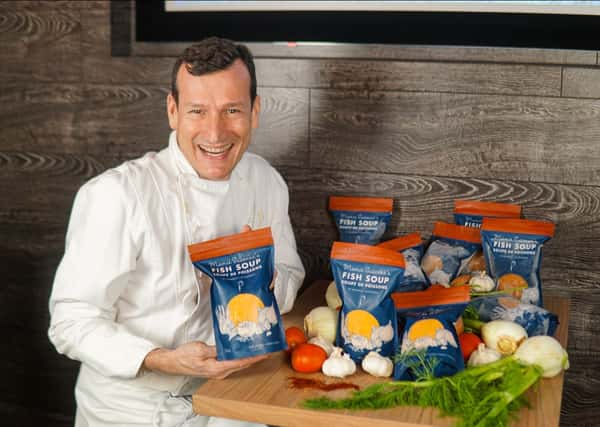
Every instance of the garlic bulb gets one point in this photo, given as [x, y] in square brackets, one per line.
[546, 352]
[321, 321]
[482, 283]
[377, 365]
[323, 343]
[483, 355]
[338, 364]
[332, 296]
[503, 335]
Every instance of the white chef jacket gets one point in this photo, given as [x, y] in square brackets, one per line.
[126, 285]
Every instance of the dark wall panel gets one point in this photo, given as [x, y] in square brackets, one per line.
[472, 136]
[42, 44]
[99, 66]
[38, 116]
[455, 77]
[581, 82]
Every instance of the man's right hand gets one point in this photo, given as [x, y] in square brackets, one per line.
[195, 359]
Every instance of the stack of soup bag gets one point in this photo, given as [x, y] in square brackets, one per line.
[407, 294]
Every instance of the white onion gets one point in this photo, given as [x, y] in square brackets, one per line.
[321, 321]
[546, 352]
[332, 297]
[503, 335]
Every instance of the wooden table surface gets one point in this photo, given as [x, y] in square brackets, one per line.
[262, 393]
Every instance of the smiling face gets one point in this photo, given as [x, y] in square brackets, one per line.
[214, 118]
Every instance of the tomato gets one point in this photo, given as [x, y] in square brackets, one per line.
[308, 358]
[468, 344]
[294, 336]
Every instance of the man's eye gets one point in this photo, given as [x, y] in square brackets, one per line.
[197, 111]
[233, 110]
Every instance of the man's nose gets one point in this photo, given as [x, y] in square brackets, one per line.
[214, 128]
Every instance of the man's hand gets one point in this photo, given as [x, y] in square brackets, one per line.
[195, 359]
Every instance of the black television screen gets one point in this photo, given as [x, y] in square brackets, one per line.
[534, 24]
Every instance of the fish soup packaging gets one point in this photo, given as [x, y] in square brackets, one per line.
[411, 246]
[470, 213]
[246, 318]
[361, 219]
[428, 332]
[365, 276]
[513, 253]
[535, 320]
[449, 249]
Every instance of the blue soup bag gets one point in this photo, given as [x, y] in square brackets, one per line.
[450, 248]
[536, 320]
[411, 246]
[246, 319]
[427, 319]
[513, 252]
[470, 213]
[361, 219]
[365, 276]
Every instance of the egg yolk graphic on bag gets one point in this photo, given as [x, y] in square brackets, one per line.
[427, 333]
[508, 302]
[513, 284]
[425, 328]
[244, 308]
[361, 322]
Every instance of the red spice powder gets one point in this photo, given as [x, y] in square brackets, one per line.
[300, 383]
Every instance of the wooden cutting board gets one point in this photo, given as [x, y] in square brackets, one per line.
[262, 392]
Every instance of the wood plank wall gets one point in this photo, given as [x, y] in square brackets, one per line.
[424, 125]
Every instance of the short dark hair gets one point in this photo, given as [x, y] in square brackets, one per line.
[210, 55]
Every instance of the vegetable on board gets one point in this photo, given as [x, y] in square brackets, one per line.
[308, 358]
[294, 336]
[321, 321]
[483, 396]
[338, 364]
[468, 344]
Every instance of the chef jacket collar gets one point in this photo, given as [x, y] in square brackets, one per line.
[185, 168]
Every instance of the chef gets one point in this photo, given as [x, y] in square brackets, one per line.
[126, 301]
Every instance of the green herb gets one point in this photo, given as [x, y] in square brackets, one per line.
[470, 313]
[482, 396]
[471, 320]
[421, 366]
[472, 325]
[474, 294]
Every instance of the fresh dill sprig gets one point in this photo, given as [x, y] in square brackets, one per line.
[484, 396]
[421, 366]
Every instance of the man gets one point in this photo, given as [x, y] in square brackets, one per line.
[126, 301]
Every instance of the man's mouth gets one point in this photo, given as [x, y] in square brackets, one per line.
[214, 151]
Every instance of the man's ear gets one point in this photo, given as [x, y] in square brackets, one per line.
[255, 112]
[172, 111]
